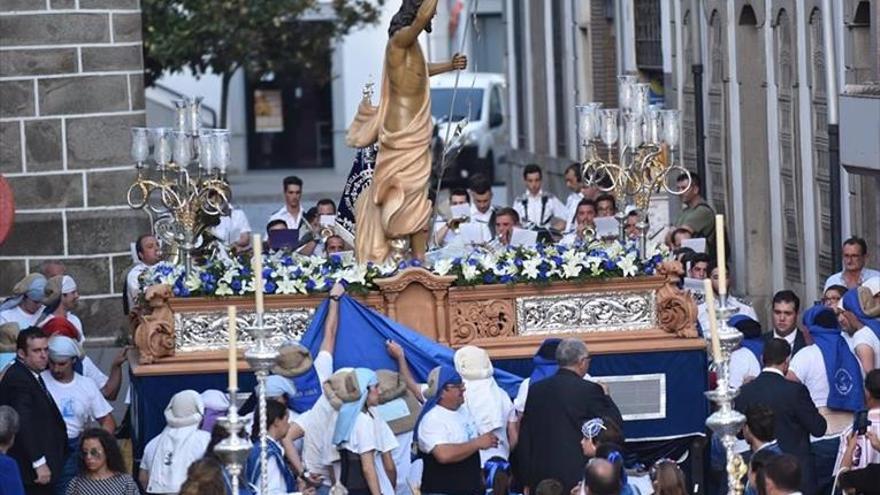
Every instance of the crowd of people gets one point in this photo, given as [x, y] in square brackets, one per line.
[809, 384]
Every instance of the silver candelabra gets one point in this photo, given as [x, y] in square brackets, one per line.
[646, 137]
[233, 450]
[726, 421]
[185, 189]
[261, 358]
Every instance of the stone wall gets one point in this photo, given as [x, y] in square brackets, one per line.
[71, 85]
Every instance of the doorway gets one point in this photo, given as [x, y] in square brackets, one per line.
[290, 122]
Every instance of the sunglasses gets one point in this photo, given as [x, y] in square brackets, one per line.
[93, 453]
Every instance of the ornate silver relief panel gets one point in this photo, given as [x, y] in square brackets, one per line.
[206, 330]
[601, 312]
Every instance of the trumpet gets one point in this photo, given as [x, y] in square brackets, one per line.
[326, 232]
[586, 232]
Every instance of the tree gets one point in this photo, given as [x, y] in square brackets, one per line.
[262, 37]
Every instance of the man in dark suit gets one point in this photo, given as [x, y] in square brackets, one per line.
[796, 416]
[556, 408]
[41, 442]
[786, 306]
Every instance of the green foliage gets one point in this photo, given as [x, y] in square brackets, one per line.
[279, 37]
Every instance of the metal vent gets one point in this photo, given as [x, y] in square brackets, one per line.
[638, 396]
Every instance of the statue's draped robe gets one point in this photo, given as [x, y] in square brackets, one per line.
[396, 204]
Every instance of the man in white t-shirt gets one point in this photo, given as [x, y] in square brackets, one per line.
[26, 304]
[78, 399]
[447, 438]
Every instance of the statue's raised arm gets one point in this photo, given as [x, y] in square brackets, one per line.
[405, 36]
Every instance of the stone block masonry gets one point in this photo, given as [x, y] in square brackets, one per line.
[71, 86]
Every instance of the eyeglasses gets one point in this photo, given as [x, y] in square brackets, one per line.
[652, 473]
[93, 453]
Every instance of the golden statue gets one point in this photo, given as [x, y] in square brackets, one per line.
[394, 209]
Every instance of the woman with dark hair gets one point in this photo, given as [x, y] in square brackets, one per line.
[101, 470]
[280, 477]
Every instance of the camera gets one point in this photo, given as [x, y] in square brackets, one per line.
[861, 422]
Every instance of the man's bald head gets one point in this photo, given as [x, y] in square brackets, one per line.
[602, 478]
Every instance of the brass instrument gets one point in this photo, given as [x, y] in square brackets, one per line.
[586, 232]
[326, 232]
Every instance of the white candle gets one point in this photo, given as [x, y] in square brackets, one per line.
[713, 323]
[721, 257]
[233, 349]
[258, 271]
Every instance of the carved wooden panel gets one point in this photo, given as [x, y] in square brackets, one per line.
[492, 318]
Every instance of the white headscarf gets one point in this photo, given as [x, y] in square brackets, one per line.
[61, 346]
[68, 285]
[170, 462]
[484, 399]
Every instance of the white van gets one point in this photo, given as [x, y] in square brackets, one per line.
[485, 140]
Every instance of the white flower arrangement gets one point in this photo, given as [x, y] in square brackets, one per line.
[286, 273]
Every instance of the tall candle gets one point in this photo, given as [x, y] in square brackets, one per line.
[721, 256]
[713, 323]
[258, 271]
[233, 349]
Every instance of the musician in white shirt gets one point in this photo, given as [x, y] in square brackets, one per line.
[537, 208]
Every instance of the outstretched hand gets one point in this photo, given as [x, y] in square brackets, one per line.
[337, 290]
[394, 350]
[459, 62]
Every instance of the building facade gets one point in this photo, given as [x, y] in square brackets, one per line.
[71, 86]
[765, 107]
